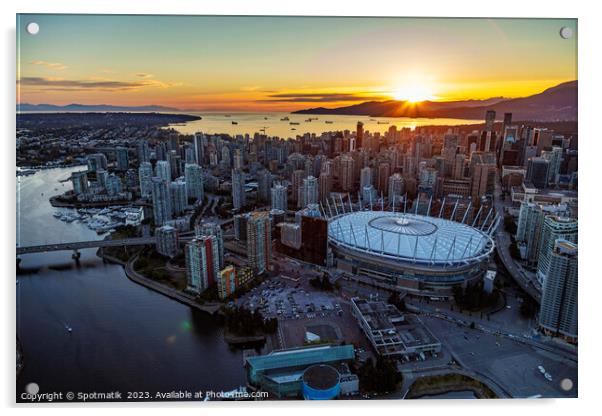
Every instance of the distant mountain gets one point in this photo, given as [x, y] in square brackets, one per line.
[84, 107]
[558, 103]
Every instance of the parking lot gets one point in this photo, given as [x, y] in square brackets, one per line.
[510, 363]
[290, 299]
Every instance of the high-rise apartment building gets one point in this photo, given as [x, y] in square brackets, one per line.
[559, 306]
[259, 241]
[325, 186]
[346, 176]
[365, 177]
[202, 263]
[166, 240]
[279, 197]
[97, 161]
[179, 201]
[238, 189]
[396, 189]
[212, 229]
[199, 148]
[162, 170]
[145, 175]
[161, 196]
[309, 192]
[193, 175]
[79, 180]
[554, 228]
[143, 151]
[122, 159]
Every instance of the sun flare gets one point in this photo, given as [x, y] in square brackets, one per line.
[413, 93]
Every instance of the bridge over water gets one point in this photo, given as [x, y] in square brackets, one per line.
[138, 241]
[78, 245]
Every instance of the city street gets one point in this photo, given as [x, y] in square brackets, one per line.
[502, 240]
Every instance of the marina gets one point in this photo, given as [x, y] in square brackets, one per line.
[102, 220]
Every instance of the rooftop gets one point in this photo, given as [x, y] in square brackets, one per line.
[301, 357]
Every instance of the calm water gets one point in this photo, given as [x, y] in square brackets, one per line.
[253, 122]
[125, 337]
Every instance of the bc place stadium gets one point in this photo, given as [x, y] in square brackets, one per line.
[420, 254]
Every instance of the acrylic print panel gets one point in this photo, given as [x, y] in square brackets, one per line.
[276, 208]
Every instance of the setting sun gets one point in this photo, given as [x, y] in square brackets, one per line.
[413, 93]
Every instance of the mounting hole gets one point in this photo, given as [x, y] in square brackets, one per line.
[33, 28]
[566, 32]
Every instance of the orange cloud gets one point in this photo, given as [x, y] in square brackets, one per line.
[60, 84]
[53, 65]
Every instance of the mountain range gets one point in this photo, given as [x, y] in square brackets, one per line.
[557, 103]
[83, 108]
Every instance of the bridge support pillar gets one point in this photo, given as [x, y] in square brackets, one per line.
[76, 255]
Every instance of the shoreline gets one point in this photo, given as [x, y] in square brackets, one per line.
[174, 294]
[212, 309]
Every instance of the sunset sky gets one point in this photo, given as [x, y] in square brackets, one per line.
[285, 63]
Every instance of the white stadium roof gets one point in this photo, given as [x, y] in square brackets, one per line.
[410, 237]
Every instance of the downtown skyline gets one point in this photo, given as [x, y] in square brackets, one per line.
[229, 63]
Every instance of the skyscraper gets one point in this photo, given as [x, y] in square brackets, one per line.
[259, 241]
[558, 311]
[325, 186]
[365, 177]
[554, 158]
[309, 191]
[384, 171]
[489, 120]
[161, 201]
[97, 161]
[264, 185]
[199, 148]
[240, 226]
[396, 188]
[279, 197]
[80, 182]
[202, 263]
[488, 137]
[178, 196]
[214, 229]
[538, 171]
[123, 162]
[238, 189]
[450, 148]
[554, 228]
[101, 177]
[458, 169]
[113, 184]
[297, 181]
[238, 159]
[193, 175]
[483, 180]
[145, 175]
[175, 164]
[143, 151]
[166, 240]
[163, 170]
[530, 225]
[359, 135]
[346, 177]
